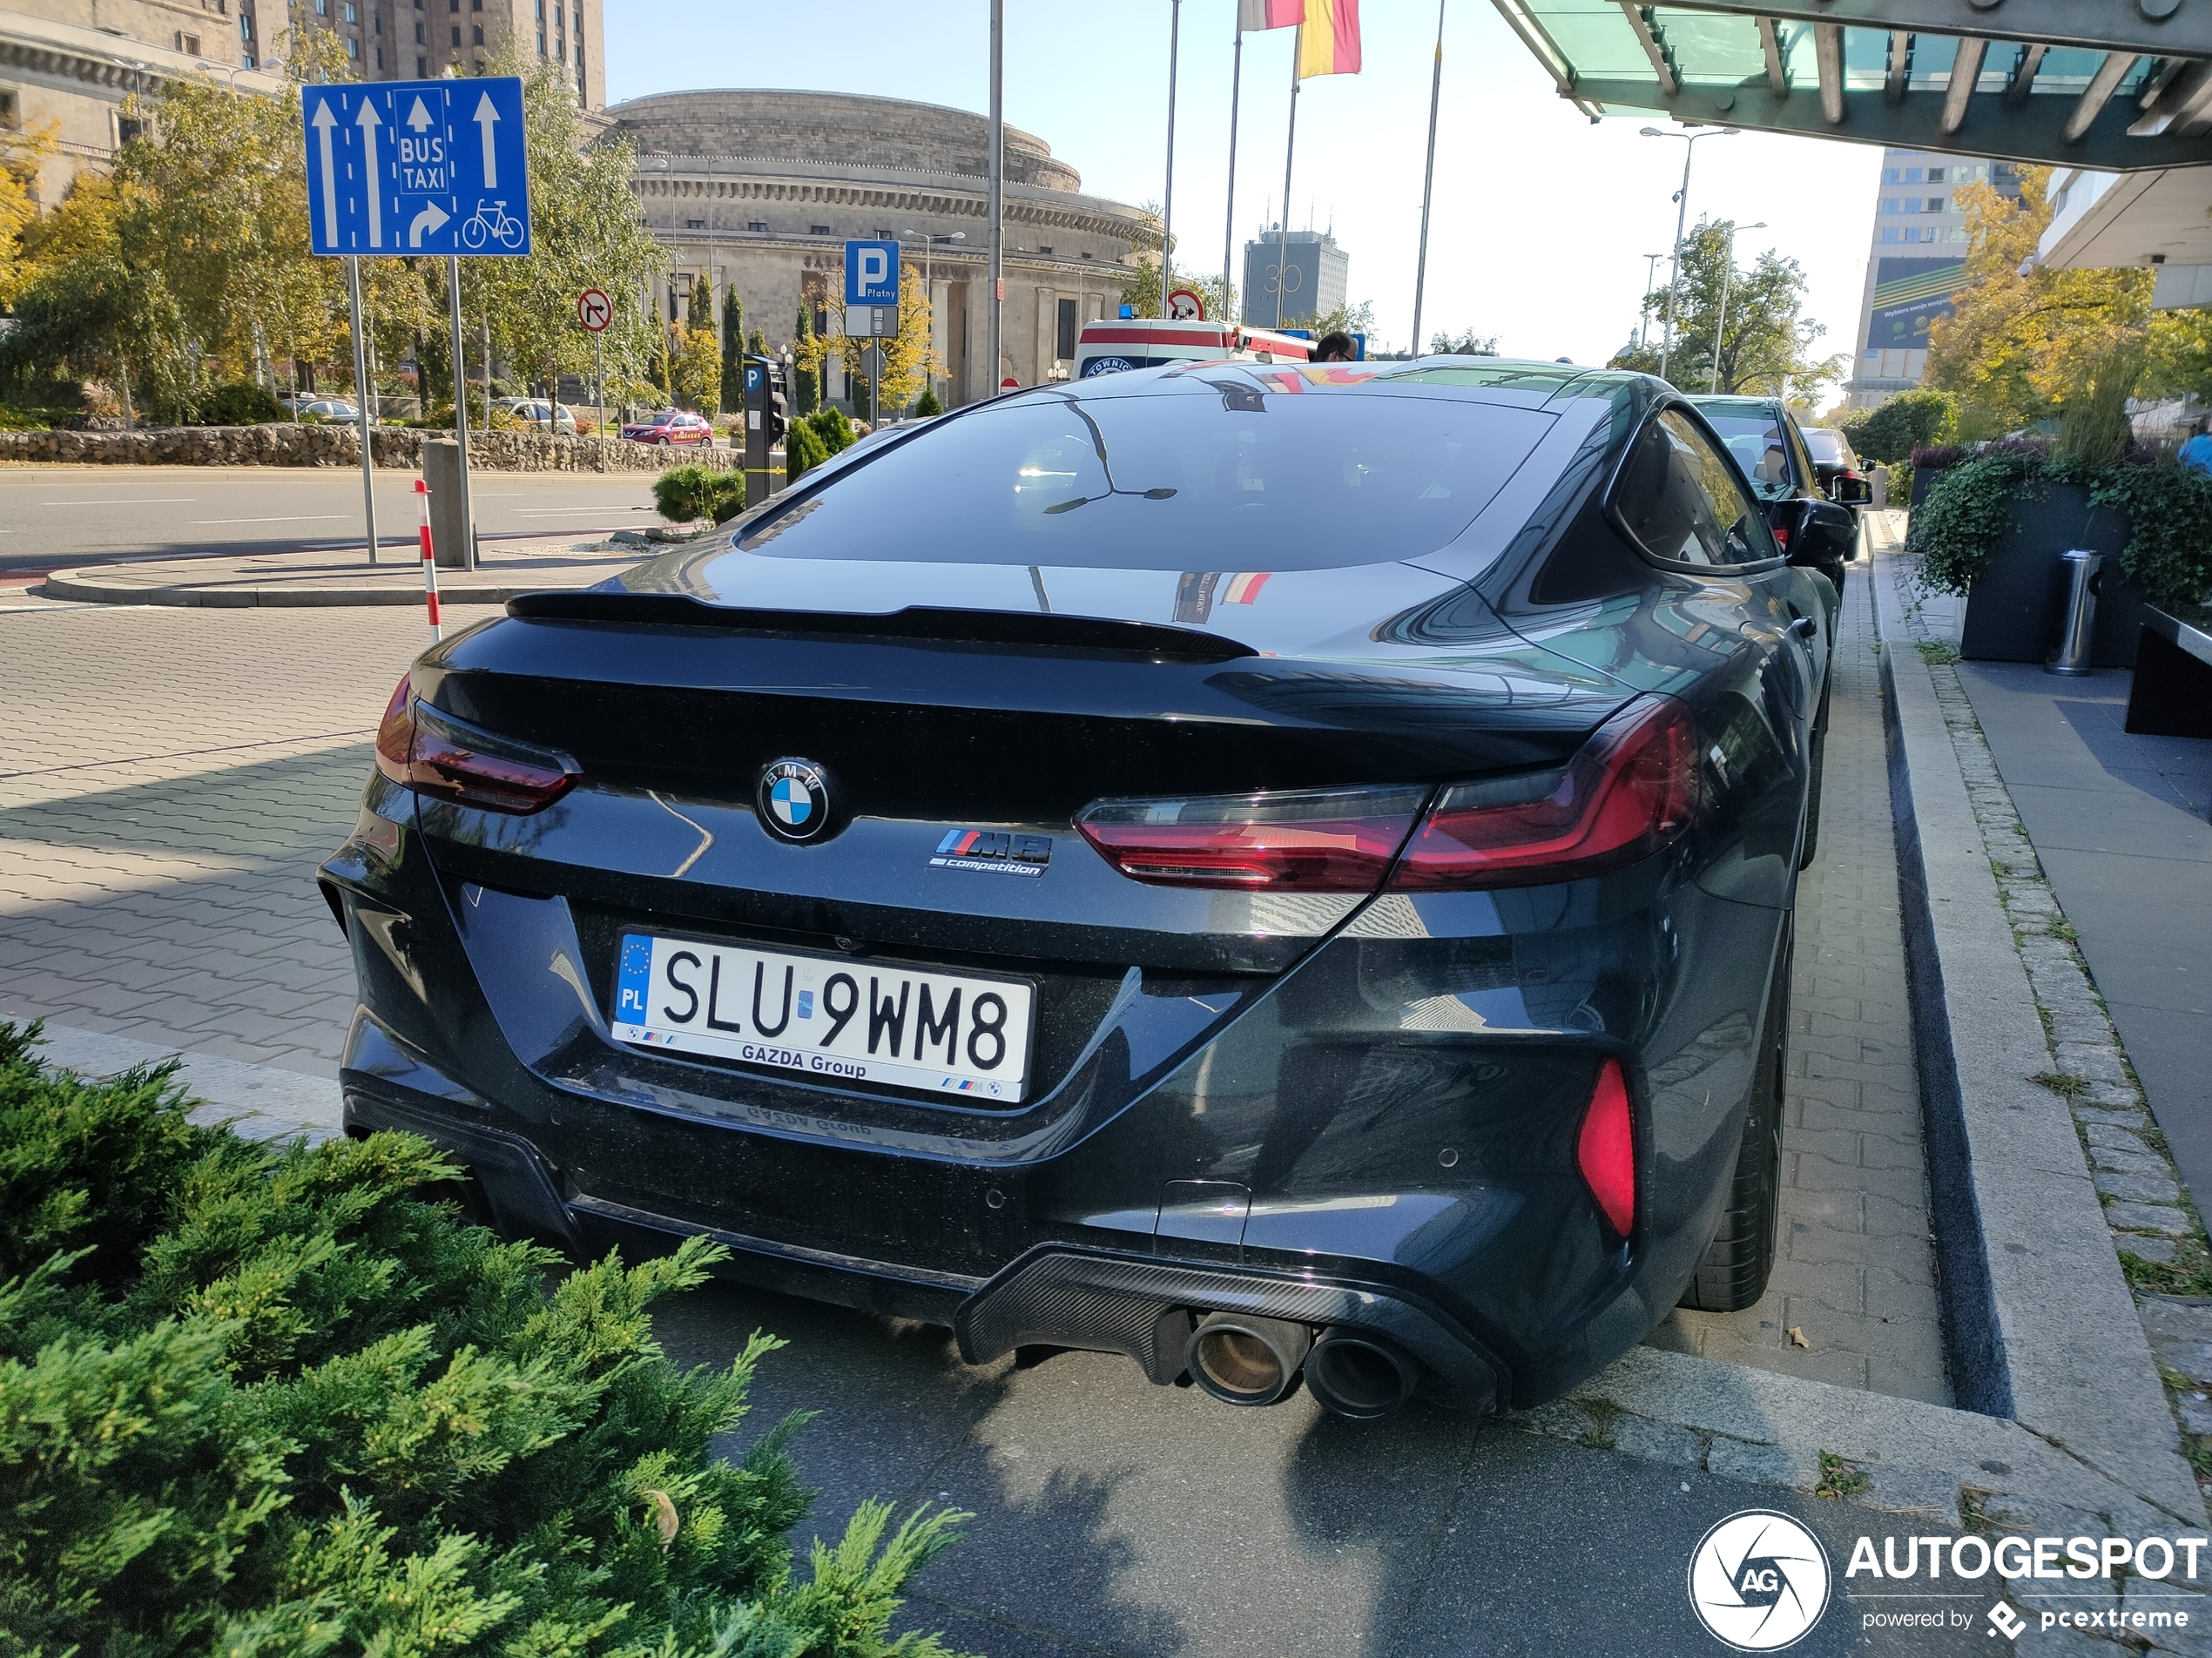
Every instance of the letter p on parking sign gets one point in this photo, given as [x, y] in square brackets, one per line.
[871, 272]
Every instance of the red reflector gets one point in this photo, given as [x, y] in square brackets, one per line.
[1781, 537]
[1606, 1149]
[1307, 841]
[432, 755]
[1631, 789]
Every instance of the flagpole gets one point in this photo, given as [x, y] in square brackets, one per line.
[995, 168]
[1429, 179]
[1289, 147]
[1229, 224]
[1167, 207]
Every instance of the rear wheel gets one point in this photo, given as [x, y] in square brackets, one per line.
[1733, 1275]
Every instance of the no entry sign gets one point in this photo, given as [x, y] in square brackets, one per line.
[594, 310]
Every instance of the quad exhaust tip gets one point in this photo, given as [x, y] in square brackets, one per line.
[1359, 1375]
[1243, 1359]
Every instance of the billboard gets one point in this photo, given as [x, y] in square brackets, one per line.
[1909, 294]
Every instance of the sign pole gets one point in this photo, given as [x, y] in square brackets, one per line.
[361, 399]
[1166, 206]
[599, 402]
[1228, 228]
[996, 169]
[461, 404]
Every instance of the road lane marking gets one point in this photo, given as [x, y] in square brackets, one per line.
[127, 500]
[281, 518]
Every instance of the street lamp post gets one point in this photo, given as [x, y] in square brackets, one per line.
[929, 292]
[1682, 197]
[1720, 328]
[1643, 317]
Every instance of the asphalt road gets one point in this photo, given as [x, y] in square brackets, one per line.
[53, 517]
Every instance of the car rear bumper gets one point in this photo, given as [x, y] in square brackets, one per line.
[1325, 1157]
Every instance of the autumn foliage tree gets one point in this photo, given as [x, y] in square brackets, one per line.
[1734, 329]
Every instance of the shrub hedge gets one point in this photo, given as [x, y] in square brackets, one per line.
[261, 1402]
[685, 494]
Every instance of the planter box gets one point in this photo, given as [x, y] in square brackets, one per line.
[2016, 607]
[1923, 479]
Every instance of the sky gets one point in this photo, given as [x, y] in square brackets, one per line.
[1541, 219]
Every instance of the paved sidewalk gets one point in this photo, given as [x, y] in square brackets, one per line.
[1855, 1275]
[323, 580]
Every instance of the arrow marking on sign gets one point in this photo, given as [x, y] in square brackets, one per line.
[427, 220]
[324, 121]
[484, 118]
[418, 117]
[369, 124]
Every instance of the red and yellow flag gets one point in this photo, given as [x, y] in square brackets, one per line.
[1329, 44]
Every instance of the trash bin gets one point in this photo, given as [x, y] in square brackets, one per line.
[2077, 639]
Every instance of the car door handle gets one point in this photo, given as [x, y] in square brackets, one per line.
[1803, 628]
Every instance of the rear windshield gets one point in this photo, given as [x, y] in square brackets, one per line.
[1828, 448]
[1755, 439]
[1189, 480]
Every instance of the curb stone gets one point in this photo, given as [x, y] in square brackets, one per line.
[259, 1101]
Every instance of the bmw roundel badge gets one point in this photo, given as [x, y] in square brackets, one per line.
[794, 800]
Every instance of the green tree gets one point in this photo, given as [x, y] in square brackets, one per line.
[807, 380]
[1764, 342]
[586, 232]
[732, 348]
[1466, 343]
[2016, 346]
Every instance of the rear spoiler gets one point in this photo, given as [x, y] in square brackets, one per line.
[1141, 640]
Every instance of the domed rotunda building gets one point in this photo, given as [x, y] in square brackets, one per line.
[763, 189]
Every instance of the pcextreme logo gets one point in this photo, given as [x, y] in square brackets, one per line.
[1759, 1581]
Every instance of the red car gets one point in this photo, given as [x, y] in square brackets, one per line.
[671, 426]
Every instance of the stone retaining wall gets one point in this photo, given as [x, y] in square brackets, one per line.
[400, 447]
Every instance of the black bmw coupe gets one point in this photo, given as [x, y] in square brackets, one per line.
[1274, 872]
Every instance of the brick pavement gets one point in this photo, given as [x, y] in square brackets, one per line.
[1855, 1271]
[173, 779]
[179, 774]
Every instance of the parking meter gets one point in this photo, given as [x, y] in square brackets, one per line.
[765, 418]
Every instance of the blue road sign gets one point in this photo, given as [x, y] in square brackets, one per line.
[417, 167]
[871, 272]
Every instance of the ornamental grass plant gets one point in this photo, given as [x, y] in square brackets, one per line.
[260, 1401]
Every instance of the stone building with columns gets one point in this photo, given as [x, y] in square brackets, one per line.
[762, 190]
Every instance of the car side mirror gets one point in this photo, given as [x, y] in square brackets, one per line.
[1852, 492]
[1786, 518]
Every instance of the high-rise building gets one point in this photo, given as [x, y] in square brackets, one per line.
[1915, 265]
[74, 64]
[1288, 275]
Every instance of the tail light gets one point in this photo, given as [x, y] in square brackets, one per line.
[1632, 789]
[437, 755]
[1307, 840]
[1605, 1151]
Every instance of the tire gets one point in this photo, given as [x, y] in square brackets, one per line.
[510, 232]
[1733, 1275]
[472, 234]
[1819, 767]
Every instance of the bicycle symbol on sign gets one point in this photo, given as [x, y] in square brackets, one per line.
[492, 221]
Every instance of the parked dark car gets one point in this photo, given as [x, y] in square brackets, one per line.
[1774, 454]
[670, 426]
[1837, 465]
[1373, 964]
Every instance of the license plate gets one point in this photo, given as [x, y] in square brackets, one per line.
[828, 1016]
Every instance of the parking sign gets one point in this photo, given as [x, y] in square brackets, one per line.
[417, 167]
[871, 272]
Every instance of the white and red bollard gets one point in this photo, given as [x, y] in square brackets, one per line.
[429, 563]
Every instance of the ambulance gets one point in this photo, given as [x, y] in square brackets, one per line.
[1113, 344]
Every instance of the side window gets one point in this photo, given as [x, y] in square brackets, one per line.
[1678, 496]
[1802, 461]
